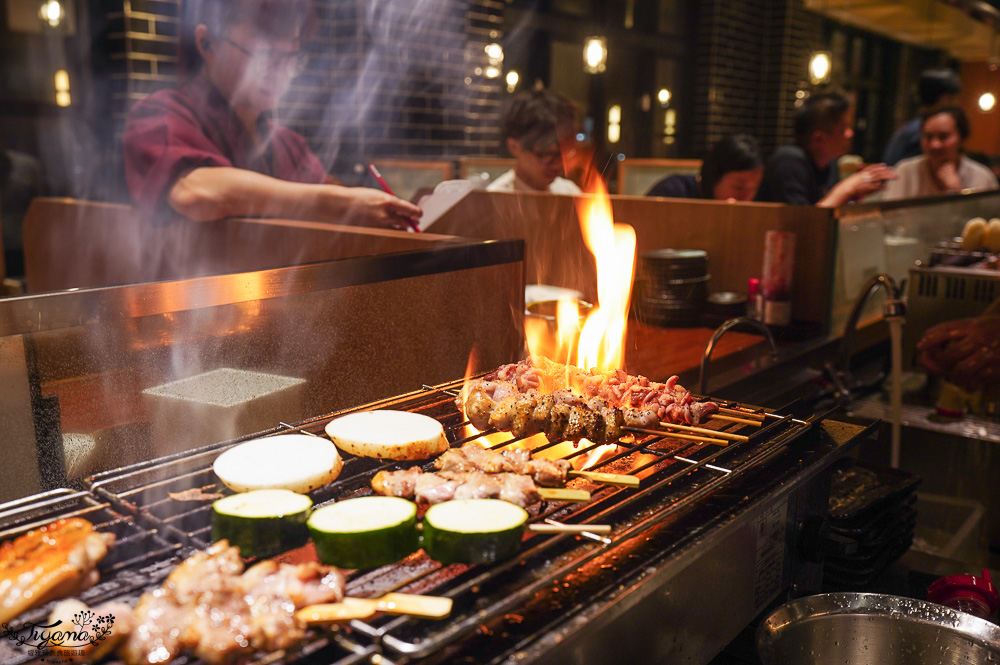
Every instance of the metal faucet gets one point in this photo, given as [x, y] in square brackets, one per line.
[840, 376]
[717, 335]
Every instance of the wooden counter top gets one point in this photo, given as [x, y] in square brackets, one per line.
[658, 353]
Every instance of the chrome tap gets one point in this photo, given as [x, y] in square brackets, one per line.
[717, 335]
[893, 307]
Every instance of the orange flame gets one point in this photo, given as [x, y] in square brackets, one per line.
[597, 456]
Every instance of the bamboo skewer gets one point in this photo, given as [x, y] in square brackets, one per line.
[678, 435]
[619, 479]
[563, 494]
[741, 413]
[742, 421]
[569, 528]
[428, 607]
[707, 432]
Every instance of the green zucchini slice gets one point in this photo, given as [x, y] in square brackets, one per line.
[262, 523]
[473, 530]
[365, 532]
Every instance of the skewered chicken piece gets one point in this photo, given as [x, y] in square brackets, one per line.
[651, 401]
[431, 488]
[56, 560]
[473, 457]
[209, 605]
[562, 416]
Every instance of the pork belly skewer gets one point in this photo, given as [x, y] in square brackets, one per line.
[430, 488]
[545, 472]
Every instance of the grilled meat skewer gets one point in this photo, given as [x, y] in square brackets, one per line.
[473, 457]
[431, 488]
[651, 402]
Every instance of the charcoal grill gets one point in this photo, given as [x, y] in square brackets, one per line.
[563, 591]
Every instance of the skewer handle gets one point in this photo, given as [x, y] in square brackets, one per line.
[427, 607]
[705, 431]
[563, 494]
[678, 435]
[570, 528]
[741, 413]
[619, 479]
[730, 419]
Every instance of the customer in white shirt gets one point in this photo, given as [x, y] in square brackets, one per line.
[539, 130]
[943, 168]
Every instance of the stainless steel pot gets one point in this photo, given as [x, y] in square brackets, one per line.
[874, 629]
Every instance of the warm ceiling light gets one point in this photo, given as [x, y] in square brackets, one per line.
[62, 88]
[51, 12]
[492, 72]
[512, 78]
[595, 55]
[663, 96]
[987, 101]
[494, 52]
[614, 124]
[819, 67]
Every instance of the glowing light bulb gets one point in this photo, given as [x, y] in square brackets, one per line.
[663, 96]
[595, 55]
[987, 101]
[51, 12]
[512, 78]
[494, 52]
[819, 67]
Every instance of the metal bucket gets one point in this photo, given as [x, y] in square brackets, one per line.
[874, 629]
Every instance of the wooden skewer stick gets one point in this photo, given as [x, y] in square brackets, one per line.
[428, 607]
[706, 432]
[677, 435]
[741, 413]
[742, 421]
[570, 528]
[619, 479]
[563, 494]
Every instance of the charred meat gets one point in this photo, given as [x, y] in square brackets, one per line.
[431, 488]
[53, 561]
[473, 457]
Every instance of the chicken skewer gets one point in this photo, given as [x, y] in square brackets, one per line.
[545, 472]
[430, 488]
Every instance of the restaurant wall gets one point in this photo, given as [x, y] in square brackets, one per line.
[388, 78]
[978, 78]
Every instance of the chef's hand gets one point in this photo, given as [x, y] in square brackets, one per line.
[372, 207]
[965, 352]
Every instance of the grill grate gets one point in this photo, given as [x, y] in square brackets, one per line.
[674, 475]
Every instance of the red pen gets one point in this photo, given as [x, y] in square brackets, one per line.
[388, 190]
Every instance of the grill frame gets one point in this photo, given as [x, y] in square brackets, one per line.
[695, 471]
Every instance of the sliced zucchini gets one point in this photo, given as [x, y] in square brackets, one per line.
[293, 462]
[365, 532]
[262, 523]
[398, 435]
[473, 530]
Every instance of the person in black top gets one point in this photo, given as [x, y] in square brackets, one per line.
[799, 174]
[731, 171]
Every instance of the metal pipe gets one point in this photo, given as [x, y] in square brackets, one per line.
[717, 335]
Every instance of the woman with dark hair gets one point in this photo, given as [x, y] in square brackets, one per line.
[208, 150]
[730, 172]
[943, 168]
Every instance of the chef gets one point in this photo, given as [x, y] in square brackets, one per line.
[208, 149]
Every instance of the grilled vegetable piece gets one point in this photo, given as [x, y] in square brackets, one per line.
[294, 462]
[397, 435]
[473, 530]
[365, 532]
[262, 523]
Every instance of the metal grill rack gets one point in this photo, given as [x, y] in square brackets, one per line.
[674, 476]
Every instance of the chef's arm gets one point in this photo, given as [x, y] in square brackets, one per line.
[210, 193]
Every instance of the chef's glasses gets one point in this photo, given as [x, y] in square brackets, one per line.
[274, 57]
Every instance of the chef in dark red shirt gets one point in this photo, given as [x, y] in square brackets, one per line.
[208, 150]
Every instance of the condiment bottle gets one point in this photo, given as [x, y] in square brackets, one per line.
[755, 299]
[776, 286]
[966, 593]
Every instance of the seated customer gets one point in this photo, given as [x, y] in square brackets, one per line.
[936, 89]
[730, 172]
[800, 174]
[208, 149]
[539, 126]
[942, 169]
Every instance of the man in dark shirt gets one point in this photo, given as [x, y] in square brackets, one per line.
[937, 88]
[800, 174]
[207, 150]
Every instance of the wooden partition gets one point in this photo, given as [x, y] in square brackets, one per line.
[75, 244]
[731, 233]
